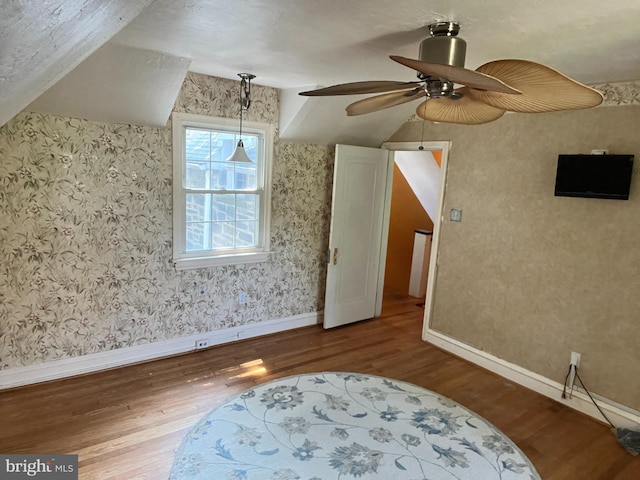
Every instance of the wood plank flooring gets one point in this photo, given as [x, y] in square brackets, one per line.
[127, 423]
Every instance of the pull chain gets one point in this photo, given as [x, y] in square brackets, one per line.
[421, 147]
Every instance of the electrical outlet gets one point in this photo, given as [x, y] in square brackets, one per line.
[201, 344]
[575, 359]
[242, 298]
[202, 288]
[574, 364]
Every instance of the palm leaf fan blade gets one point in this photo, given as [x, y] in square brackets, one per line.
[460, 75]
[356, 88]
[465, 110]
[380, 102]
[543, 88]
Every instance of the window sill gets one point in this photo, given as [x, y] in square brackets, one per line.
[220, 260]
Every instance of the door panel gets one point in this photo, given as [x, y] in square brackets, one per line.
[356, 240]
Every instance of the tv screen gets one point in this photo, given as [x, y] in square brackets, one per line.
[594, 176]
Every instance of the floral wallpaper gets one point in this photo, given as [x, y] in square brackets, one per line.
[86, 232]
[620, 93]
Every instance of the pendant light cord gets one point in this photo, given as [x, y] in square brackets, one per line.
[242, 84]
[245, 87]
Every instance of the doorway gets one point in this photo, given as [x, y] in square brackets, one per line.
[416, 204]
[359, 229]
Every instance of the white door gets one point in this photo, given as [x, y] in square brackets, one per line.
[358, 236]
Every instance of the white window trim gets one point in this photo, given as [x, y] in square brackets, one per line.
[184, 261]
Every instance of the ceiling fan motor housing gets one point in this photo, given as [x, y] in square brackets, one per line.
[444, 47]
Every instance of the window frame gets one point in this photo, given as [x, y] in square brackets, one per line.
[184, 260]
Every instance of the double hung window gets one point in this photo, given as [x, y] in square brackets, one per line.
[220, 207]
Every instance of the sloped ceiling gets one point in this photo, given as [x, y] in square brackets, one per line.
[118, 84]
[423, 175]
[43, 41]
[294, 45]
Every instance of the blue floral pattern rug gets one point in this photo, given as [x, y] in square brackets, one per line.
[346, 426]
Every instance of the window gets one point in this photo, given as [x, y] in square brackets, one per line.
[220, 209]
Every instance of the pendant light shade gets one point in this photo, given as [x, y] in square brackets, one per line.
[239, 154]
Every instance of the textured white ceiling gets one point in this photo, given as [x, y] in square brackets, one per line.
[40, 42]
[291, 44]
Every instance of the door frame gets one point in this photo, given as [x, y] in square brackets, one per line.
[385, 230]
[445, 147]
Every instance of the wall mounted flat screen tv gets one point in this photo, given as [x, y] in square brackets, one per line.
[594, 176]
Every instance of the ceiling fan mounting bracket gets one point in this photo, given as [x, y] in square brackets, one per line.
[449, 29]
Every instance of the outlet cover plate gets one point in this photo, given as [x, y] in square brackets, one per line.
[575, 359]
[242, 298]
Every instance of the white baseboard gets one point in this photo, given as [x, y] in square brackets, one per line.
[68, 367]
[619, 415]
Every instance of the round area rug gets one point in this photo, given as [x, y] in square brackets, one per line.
[344, 426]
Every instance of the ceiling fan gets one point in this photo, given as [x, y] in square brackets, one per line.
[485, 95]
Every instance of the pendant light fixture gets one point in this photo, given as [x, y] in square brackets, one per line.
[239, 154]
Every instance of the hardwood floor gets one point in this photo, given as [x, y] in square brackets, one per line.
[127, 423]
